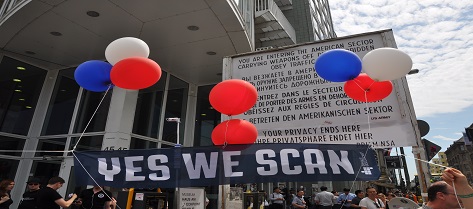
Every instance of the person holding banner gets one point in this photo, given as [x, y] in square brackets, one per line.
[453, 192]
[95, 198]
[49, 198]
[345, 198]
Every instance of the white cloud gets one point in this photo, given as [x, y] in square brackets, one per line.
[459, 134]
[444, 138]
[437, 34]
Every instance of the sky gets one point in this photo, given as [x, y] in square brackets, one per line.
[438, 36]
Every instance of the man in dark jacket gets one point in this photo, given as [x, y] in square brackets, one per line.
[29, 197]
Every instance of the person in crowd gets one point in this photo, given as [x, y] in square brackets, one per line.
[95, 198]
[383, 199]
[389, 197]
[345, 198]
[49, 198]
[324, 199]
[371, 201]
[276, 199]
[28, 200]
[453, 192]
[298, 201]
[6, 186]
[355, 202]
[336, 205]
[289, 197]
[412, 197]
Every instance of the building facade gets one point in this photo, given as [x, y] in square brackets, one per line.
[441, 162]
[44, 113]
[460, 156]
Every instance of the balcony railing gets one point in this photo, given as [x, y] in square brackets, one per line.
[271, 25]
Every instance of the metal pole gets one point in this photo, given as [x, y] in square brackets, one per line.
[406, 171]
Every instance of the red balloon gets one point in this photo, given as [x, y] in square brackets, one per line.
[363, 84]
[135, 73]
[234, 131]
[233, 97]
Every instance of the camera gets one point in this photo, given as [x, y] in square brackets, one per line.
[173, 120]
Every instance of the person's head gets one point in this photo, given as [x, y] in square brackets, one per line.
[300, 193]
[371, 192]
[323, 188]
[276, 190]
[33, 184]
[56, 182]
[335, 193]
[391, 196]
[381, 196]
[346, 190]
[6, 185]
[442, 194]
[291, 191]
[359, 193]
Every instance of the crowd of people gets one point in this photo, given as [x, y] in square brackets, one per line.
[47, 197]
[453, 192]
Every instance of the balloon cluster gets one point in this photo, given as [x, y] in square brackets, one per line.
[380, 66]
[128, 67]
[233, 97]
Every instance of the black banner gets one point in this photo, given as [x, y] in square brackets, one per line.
[204, 166]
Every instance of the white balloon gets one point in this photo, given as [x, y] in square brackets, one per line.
[126, 47]
[384, 64]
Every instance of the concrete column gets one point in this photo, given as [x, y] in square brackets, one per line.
[120, 119]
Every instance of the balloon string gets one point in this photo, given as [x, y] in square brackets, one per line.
[369, 132]
[90, 120]
[96, 183]
[225, 143]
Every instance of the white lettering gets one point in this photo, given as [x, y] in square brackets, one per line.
[273, 166]
[228, 163]
[131, 169]
[109, 173]
[310, 166]
[286, 168]
[210, 171]
[343, 161]
[152, 160]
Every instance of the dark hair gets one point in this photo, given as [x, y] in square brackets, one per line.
[346, 189]
[323, 188]
[56, 179]
[358, 192]
[333, 192]
[274, 189]
[439, 186]
[370, 187]
[3, 186]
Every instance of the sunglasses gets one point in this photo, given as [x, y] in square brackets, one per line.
[31, 184]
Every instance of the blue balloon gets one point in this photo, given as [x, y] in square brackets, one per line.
[94, 75]
[338, 65]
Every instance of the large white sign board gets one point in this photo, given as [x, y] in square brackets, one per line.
[295, 105]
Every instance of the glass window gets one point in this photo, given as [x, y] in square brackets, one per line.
[142, 144]
[176, 105]
[45, 169]
[206, 118]
[87, 143]
[59, 116]
[51, 145]
[8, 168]
[148, 109]
[89, 102]
[20, 86]
[9, 143]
